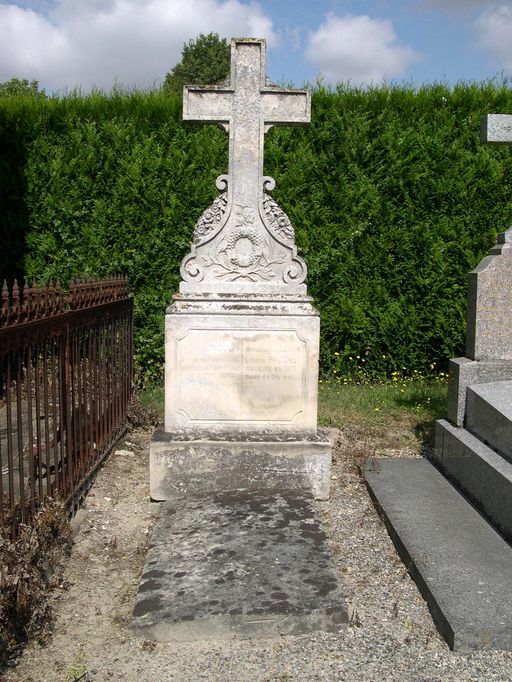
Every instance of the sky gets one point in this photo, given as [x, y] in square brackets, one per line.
[88, 44]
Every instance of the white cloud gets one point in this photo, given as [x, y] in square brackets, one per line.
[359, 49]
[495, 32]
[454, 5]
[98, 42]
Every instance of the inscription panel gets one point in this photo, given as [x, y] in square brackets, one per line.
[241, 375]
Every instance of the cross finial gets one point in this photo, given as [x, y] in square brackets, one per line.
[247, 107]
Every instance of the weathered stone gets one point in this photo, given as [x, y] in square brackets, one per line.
[238, 564]
[241, 552]
[460, 563]
[244, 242]
[187, 462]
[245, 367]
[242, 336]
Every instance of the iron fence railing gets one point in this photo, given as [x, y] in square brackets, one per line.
[66, 366]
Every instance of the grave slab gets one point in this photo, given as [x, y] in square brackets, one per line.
[461, 565]
[238, 564]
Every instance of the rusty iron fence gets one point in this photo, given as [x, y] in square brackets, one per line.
[66, 370]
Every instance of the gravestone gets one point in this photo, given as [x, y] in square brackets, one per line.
[242, 335]
[238, 548]
[489, 323]
[459, 555]
[474, 445]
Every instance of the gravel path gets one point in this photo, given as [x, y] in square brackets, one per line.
[390, 637]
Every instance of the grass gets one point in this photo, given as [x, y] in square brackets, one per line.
[397, 413]
[152, 399]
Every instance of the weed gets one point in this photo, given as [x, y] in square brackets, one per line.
[78, 670]
[26, 566]
[142, 412]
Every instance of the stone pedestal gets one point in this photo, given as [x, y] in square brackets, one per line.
[240, 396]
[242, 364]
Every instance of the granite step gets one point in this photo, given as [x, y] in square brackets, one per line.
[461, 565]
[484, 476]
[489, 415]
[238, 564]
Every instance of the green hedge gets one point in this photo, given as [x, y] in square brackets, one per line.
[392, 196]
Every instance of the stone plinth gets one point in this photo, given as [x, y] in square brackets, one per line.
[240, 397]
[185, 461]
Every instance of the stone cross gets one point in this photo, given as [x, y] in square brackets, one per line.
[496, 129]
[248, 107]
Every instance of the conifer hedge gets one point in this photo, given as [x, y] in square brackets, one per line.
[393, 198]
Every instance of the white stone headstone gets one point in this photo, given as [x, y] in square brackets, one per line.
[242, 337]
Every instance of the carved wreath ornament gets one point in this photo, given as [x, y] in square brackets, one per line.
[236, 242]
[242, 252]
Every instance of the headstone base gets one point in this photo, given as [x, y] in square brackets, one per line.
[187, 461]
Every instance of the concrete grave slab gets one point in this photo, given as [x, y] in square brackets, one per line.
[461, 565]
[238, 564]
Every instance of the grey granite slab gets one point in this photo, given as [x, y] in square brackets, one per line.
[481, 473]
[238, 564]
[464, 373]
[489, 414]
[461, 565]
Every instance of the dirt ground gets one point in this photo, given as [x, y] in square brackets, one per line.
[390, 635]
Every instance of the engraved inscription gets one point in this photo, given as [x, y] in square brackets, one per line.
[241, 376]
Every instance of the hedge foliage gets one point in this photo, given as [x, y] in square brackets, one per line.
[393, 198]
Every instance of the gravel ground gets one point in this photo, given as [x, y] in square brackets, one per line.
[390, 635]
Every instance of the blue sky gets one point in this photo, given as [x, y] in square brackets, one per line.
[86, 43]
